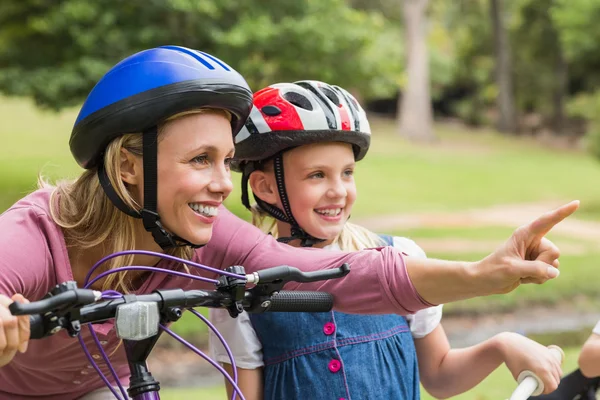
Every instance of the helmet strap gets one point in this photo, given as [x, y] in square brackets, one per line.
[297, 233]
[149, 213]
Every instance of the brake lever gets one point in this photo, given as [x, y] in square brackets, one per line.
[271, 281]
[284, 274]
[61, 316]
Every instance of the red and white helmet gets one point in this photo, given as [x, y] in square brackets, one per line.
[286, 115]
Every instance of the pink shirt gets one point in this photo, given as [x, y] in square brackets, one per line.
[33, 259]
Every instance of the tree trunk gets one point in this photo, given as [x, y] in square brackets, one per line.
[561, 80]
[415, 116]
[505, 101]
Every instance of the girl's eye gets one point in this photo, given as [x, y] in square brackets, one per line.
[228, 162]
[348, 172]
[201, 159]
[317, 175]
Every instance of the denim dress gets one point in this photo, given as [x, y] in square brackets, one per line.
[337, 356]
[310, 356]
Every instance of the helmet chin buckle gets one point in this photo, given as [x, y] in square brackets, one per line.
[161, 236]
[153, 225]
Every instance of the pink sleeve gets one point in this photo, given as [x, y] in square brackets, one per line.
[378, 282]
[24, 254]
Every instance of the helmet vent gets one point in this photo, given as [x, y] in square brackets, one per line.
[330, 95]
[299, 100]
[271, 111]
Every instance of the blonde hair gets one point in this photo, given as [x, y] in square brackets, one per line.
[89, 219]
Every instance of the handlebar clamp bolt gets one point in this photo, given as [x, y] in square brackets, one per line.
[266, 304]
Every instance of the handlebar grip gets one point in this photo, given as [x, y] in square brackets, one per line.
[557, 352]
[529, 383]
[36, 325]
[299, 301]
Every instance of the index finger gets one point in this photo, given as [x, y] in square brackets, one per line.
[23, 324]
[541, 226]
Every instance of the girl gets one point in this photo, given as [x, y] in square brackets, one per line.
[165, 118]
[298, 152]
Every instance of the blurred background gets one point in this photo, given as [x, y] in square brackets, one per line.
[485, 113]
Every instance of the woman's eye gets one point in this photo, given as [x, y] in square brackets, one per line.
[228, 162]
[317, 175]
[202, 159]
[349, 172]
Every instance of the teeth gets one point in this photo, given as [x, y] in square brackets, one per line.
[209, 211]
[331, 212]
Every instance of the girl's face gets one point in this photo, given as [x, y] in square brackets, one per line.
[194, 152]
[320, 186]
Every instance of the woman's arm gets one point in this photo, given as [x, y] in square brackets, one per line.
[382, 281]
[250, 382]
[26, 271]
[448, 372]
[589, 358]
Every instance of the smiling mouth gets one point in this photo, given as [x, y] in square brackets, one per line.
[332, 212]
[204, 210]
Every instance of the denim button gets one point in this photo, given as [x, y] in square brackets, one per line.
[334, 365]
[329, 328]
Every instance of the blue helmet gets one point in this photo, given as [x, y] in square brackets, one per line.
[135, 96]
[150, 86]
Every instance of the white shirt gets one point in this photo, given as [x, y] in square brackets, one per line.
[597, 328]
[247, 349]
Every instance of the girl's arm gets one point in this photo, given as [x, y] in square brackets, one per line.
[589, 359]
[447, 372]
[242, 340]
[250, 382]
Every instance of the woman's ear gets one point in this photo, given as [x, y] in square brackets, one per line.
[131, 168]
[264, 187]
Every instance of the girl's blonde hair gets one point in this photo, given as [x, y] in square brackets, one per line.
[89, 219]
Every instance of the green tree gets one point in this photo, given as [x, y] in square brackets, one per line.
[54, 51]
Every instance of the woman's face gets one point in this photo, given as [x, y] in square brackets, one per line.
[320, 186]
[194, 152]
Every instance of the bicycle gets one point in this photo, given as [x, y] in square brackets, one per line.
[140, 319]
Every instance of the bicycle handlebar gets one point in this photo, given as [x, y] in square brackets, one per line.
[68, 306]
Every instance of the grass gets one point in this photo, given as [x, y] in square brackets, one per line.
[469, 169]
[211, 393]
